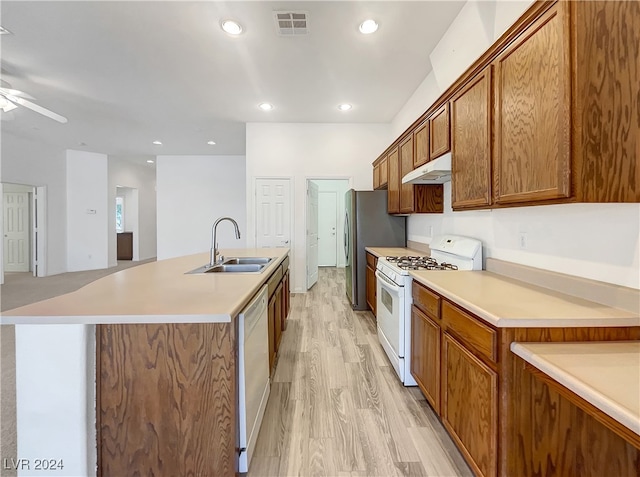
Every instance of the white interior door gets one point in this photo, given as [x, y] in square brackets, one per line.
[312, 234]
[16, 231]
[327, 226]
[273, 213]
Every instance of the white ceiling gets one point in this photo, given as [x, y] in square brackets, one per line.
[128, 73]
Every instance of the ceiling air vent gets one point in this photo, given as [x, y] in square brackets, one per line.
[291, 23]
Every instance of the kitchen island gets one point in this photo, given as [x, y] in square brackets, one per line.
[163, 359]
[509, 415]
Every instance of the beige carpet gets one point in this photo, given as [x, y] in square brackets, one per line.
[21, 289]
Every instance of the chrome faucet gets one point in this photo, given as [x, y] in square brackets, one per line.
[213, 260]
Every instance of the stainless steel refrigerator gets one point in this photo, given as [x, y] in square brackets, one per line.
[367, 224]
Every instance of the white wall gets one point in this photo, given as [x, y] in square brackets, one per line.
[55, 397]
[302, 151]
[192, 192]
[30, 163]
[142, 177]
[596, 241]
[87, 211]
[474, 30]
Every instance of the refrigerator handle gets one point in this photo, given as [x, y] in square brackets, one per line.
[346, 237]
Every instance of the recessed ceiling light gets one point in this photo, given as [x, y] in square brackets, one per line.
[368, 26]
[150, 161]
[157, 143]
[211, 143]
[231, 27]
[345, 107]
[265, 106]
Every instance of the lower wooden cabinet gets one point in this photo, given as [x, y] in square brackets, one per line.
[470, 406]
[278, 309]
[271, 331]
[372, 282]
[124, 246]
[425, 356]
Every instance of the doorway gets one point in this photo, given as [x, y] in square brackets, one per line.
[23, 229]
[330, 224]
[127, 227]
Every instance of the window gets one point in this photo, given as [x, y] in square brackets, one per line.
[119, 214]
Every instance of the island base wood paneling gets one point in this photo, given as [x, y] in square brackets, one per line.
[555, 437]
[522, 450]
[166, 399]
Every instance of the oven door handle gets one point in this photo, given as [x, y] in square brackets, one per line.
[387, 283]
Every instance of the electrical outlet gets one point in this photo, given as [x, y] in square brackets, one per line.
[523, 240]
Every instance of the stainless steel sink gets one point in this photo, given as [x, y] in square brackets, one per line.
[247, 260]
[236, 265]
[236, 268]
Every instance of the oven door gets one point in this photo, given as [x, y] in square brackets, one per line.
[390, 317]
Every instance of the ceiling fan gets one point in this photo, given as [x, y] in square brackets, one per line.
[10, 99]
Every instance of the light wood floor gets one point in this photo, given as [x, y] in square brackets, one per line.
[337, 408]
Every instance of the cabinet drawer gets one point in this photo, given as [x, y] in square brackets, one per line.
[468, 329]
[274, 280]
[426, 300]
[285, 264]
[372, 260]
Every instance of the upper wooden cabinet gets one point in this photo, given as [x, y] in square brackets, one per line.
[421, 144]
[606, 118]
[380, 174]
[439, 134]
[533, 113]
[393, 186]
[413, 199]
[376, 177]
[384, 173]
[548, 114]
[406, 166]
[471, 144]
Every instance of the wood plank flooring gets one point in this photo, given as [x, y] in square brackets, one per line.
[337, 408]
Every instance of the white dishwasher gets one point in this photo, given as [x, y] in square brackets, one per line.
[253, 372]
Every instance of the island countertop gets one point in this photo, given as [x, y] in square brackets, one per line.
[155, 292]
[508, 303]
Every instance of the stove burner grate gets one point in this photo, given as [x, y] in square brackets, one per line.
[419, 263]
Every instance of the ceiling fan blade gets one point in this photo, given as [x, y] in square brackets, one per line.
[16, 93]
[37, 109]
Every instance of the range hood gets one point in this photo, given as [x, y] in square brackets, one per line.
[437, 171]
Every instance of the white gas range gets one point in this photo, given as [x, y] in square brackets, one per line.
[448, 253]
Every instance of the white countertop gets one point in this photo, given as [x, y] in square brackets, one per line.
[393, 251]
[508, 303]
[606, 374]
[155, 292]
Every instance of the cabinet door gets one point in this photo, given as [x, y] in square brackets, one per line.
[406, 166]
[425, 356]
[393, 196]
[272, 332]
[421, 144]
[439, 136]
[371, 289]
[384, 173]
[533, 116]
[278, 317]
[471, 144]
[376, 177]
[470, 406]
[286, 290]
